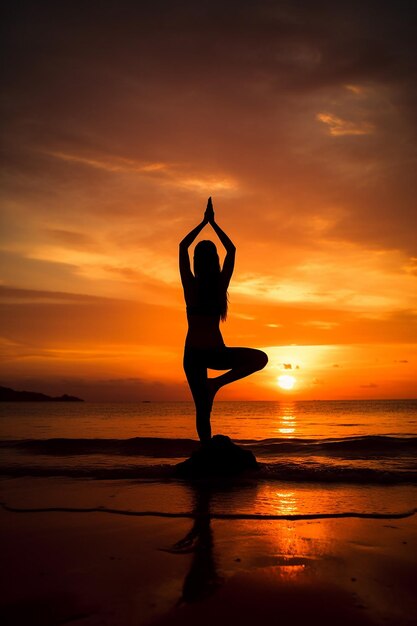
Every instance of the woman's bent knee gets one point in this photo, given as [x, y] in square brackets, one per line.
[261, 359]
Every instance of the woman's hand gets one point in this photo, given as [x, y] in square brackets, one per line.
[209, 212]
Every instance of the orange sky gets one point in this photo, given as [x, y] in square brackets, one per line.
[121, 121]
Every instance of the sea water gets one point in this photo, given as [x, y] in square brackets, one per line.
[316, 458]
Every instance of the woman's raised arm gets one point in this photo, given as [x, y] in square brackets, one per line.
[184, 259]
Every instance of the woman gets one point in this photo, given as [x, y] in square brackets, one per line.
[205, 294]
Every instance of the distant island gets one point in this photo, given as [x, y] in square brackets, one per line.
[10, 395]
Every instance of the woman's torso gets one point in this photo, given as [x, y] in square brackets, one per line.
[203, 331]
[203, 317]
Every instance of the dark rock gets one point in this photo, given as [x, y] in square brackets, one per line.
[220, 457]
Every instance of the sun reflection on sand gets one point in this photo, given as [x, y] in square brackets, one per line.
[291, 571]
[286, 503]
[292, 554]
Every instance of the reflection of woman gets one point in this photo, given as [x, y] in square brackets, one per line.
[202, 578]
[205, 294]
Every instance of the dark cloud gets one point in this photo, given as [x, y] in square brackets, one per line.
[101, 390]
[19, 270]
[20, 296]
[59, 320]
[93, 92]
[102, 74]
[229, 86]
[72, 239]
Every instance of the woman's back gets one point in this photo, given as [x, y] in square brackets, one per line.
[204, 308]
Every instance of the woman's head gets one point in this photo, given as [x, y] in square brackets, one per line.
[206, 260]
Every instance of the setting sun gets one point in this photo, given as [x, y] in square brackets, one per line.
[286, 382]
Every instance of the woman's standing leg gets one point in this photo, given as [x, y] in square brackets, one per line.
[196, 372]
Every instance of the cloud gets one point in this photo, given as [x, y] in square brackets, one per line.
[72, 239]
[339, 127]
[356, 89]
[127, 273]
[322, 325]
[170, 174]
[223, 99]
[103, 390]
[113, 164]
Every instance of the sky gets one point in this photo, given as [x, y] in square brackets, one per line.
[121, 118]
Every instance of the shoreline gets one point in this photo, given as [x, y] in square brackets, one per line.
[215, 516]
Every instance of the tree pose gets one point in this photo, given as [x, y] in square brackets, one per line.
[205, 293]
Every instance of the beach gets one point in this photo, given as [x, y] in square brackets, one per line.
[98, 529]
[111, 568]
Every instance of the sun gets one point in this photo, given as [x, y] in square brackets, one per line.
[286, 382]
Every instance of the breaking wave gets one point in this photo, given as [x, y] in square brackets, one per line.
[177, 448]
[372, 459]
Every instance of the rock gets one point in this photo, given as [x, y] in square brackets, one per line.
[220, 457]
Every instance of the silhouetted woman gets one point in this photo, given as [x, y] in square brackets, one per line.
[205, 294]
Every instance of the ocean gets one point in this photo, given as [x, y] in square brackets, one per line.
[316, 458]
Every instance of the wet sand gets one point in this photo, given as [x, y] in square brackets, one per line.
[106, 569]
